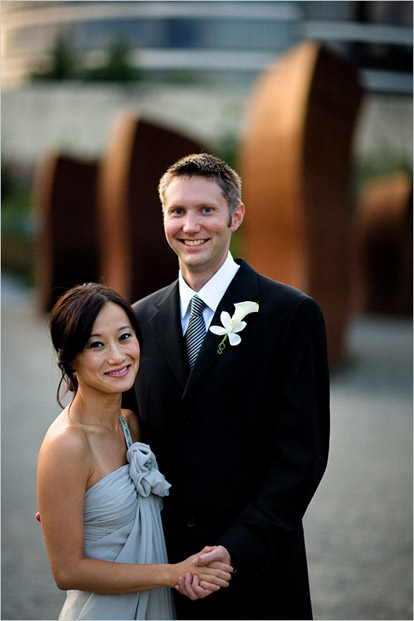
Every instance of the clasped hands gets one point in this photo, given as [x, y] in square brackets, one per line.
[201, 574]
[204, 573]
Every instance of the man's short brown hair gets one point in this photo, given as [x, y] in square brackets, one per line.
[205, 165]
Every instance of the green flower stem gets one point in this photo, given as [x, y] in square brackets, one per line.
[222, 345]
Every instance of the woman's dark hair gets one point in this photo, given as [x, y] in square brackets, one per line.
[71, 320]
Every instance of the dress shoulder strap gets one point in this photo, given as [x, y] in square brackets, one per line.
[127, 433]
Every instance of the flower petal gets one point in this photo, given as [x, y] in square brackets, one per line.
[225, 319]
[234, 339]
[243, 309]
[239, 326]
[218, 330]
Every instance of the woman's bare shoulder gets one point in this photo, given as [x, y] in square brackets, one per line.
[64, 468]
[65, 440]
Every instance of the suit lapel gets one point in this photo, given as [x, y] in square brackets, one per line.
[166, 324]
[244, 286]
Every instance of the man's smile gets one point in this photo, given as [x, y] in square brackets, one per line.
[193, 242]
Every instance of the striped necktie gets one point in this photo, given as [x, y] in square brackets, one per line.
[196, 329]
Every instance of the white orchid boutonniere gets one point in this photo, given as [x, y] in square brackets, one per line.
[233, 325]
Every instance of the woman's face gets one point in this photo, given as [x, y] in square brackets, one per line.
[110, 359]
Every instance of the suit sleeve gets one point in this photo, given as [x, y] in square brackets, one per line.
[129, 400]
[300, 439]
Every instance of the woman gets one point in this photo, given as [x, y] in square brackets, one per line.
[99, 488]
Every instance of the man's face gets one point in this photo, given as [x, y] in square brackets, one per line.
[197, 225]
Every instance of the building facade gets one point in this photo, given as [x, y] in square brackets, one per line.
[210, 42]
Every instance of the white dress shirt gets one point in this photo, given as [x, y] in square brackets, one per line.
[211, 293]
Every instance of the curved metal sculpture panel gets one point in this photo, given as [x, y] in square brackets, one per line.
[383, 275]
[67, 247]
[295, 161]
[136, 258]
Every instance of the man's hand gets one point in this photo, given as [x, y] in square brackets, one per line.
[215, 557]
[208, 556]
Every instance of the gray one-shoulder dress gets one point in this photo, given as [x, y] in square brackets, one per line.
[122, 518]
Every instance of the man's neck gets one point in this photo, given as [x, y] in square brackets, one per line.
[197, 280]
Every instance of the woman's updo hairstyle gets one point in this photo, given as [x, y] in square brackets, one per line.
[71, 321]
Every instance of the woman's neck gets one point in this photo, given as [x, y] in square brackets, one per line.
[96, 410]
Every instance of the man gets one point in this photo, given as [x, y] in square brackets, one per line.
[242, 432]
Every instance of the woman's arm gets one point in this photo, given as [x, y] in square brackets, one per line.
[64, 468]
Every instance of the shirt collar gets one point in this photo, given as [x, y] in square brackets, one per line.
[213, 290]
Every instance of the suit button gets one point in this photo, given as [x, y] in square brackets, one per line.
[191, 522]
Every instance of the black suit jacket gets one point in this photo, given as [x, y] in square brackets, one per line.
[243, 439]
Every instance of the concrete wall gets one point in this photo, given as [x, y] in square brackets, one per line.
[78, 119]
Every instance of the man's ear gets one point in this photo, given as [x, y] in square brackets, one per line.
[237, 217]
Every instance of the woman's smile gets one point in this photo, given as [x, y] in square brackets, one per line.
[119, 372]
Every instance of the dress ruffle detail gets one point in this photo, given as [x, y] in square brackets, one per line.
[143, 470]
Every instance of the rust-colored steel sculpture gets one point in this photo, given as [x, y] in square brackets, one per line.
[383, 274]
[136, 259]
[67, 246]
[295, 161]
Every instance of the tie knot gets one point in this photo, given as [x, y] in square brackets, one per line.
[196, 306]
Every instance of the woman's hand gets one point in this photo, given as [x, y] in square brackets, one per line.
[190, 586]
[202, 579]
